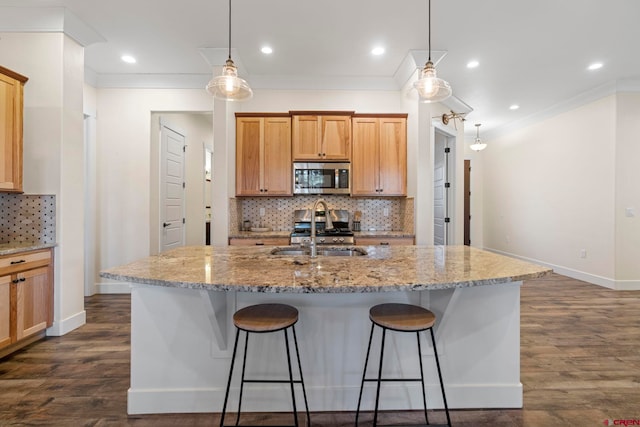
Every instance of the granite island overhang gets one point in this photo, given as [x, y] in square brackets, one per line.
[182, 303]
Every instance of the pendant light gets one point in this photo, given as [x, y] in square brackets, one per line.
[429, 86]
[228, 86]
[478, 145]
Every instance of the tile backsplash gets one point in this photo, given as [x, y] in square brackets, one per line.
[278, 211]
[27, 218]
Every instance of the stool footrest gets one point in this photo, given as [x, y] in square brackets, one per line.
[375, 380]
[274, 381]
[413, 425]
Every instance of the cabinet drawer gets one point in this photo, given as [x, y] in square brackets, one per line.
[24, 261]
[384, 241]
[269, 241]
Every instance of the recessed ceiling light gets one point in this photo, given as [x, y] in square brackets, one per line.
[379, 50]
[595, 66]
[266, 50]
[128, 59]
[514, 107]
[472, 64]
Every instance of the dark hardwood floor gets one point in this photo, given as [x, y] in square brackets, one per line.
[580, 366]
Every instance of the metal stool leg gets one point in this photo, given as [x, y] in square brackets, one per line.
[424, 395]
[444, 398]
[364, 373]
[375, 414]
[293, 394]
[244, 365]
[226, 394]
[304, 392]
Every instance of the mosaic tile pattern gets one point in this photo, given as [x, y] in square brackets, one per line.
[278, 211]
[27, 219]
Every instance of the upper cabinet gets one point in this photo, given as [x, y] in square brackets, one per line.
[11, 111]
[321, 136]
[379, 156]
[263, 155]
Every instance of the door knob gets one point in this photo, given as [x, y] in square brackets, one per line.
[166, 224]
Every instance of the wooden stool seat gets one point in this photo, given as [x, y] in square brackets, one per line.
[265, 317]
[402, 317]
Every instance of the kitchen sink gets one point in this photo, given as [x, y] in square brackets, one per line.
[333, 251]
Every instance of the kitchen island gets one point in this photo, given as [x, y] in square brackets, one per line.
[182, 302]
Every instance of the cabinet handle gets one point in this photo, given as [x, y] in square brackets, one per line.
[18, 262]
[319, 154]
[22, 279]
[259, 244]
[384, 243]
[15, 281]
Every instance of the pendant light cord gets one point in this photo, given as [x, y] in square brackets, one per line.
[230, 29]
[429, 18]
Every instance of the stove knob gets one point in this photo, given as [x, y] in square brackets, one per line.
[322, 240]
[341, 240]
[335, 240]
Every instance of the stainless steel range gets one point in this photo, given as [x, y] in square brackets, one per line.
[341, 234]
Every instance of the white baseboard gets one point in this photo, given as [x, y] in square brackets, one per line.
[64, 326]
[196, 400]
[605, 282]
[113, 288]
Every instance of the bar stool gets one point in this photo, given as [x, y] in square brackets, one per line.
[401, 318]
[265, 318]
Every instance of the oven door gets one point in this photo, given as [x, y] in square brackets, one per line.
[321, 178]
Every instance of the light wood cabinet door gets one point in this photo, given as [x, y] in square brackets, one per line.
[5, 311]
[263, 156]
[393, 156]
[364, 158]
[336, 137]
[277, 156]
[321, 138]
[32, 302]
[11, 113]
[249, 140]
[379, 156]
[306, 140]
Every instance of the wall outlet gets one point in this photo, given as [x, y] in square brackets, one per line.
[385, 211]
[261, 211]
[583, 253]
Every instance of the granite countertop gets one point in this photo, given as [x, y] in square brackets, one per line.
[388, 268]
[15, 248]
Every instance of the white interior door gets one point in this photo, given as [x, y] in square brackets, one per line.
[172, 204]
[441, 187]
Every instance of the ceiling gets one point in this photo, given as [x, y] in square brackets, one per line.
[534, 54]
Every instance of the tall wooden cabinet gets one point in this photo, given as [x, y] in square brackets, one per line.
[11, 113]
[263, 155]
[322, 136]
[379, 155]
[26, 298]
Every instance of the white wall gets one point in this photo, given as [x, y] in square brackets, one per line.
[124, 168]
[549, 192]
[627, 178]
[53, 153]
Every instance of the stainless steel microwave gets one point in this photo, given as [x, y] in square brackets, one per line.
[321, 178]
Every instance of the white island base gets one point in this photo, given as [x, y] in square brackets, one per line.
[182, 339]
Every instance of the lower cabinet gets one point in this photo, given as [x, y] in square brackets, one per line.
[26, 298]
[383, 241]
[267, 241]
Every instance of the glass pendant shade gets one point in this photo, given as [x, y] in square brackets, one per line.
[430, 88]
[228, 86]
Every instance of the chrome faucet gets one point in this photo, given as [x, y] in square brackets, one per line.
[328, 225]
